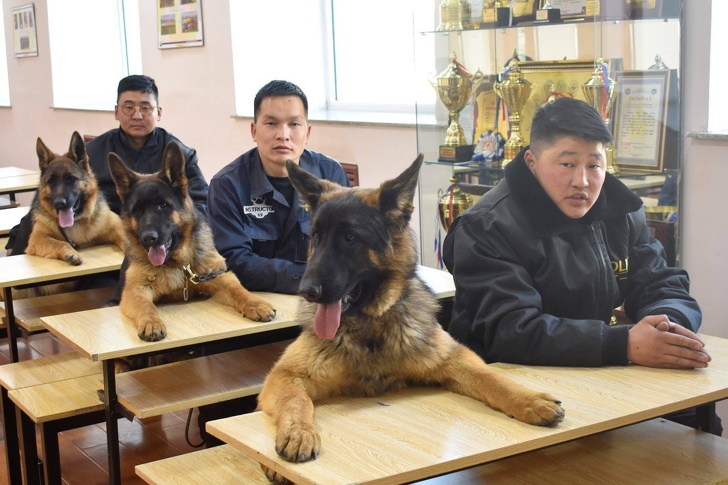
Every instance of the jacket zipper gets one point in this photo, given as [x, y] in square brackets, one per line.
[604, 267]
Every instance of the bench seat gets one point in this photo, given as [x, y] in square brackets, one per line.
[29, 311]
[197, 382]
[221, 464]
[27, 385]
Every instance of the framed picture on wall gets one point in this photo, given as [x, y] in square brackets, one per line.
[645, 119]
[179, 23]
[25, 40]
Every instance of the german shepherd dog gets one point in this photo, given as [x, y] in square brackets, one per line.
[68, 210]
[170, 249]
[369, 323]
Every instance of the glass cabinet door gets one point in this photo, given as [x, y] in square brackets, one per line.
[640, 55]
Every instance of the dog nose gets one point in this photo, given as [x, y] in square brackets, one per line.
[310, 292]
[59, 204]
[150, 237]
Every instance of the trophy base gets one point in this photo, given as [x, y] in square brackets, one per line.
[548, 16]
[462, 153]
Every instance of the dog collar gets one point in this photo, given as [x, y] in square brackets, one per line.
[197, 278]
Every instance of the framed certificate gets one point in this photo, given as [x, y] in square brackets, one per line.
[645, 120]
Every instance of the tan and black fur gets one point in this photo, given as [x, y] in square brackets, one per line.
[361, 275]
[68, 194]
[165, 233]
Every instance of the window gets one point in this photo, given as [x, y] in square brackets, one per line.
[4, 84]
[718, 95]
[94, 43]
[345, 57]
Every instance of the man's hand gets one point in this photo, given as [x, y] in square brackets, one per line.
[655, 341]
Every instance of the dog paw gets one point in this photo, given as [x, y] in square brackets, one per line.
[258, 311]
[152, 331]
[74, 259]
[274, 477]
[540, 409]
[298, 443]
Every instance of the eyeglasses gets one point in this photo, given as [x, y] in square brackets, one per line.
[130, 109]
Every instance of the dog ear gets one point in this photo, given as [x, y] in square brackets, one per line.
[173, 168]
[306, 184]
[396, 195]
[77, 151]
[124, 177]
[44, 155]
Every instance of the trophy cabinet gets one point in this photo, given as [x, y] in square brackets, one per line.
[508, 65]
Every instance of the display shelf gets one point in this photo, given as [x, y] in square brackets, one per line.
[570, 50]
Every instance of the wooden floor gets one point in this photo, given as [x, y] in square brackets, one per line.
[83, 450]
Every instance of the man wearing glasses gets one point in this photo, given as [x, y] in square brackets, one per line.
[140, 142]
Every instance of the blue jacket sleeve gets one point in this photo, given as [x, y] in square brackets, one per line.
[232, 239]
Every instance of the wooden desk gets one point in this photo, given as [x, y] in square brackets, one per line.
[23, 271]
[418, 433]
[105, 334]
[15, 171]
[18, 183]
[9, 218]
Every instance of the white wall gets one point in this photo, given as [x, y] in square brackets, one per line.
[196, 92]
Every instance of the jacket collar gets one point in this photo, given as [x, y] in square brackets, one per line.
[615, 200]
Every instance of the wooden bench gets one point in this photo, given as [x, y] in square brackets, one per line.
[62, 404]
[221, 464]
[197, 382]
[29, 311]
[34, 374]
[656, 451]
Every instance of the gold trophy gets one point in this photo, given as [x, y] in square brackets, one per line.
[454, 15]
[452, 203]
[455, 86]
[601, 96]
[514, 92]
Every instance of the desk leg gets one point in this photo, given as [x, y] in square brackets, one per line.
[30, 461]
[12, 446]
[12, 328]
[112, 425]
[705, 417]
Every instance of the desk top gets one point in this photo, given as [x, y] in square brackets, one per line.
[421, 432]
[104, 333]
[24, 269]
[19, 183]
[439, 281]
[10, 217]
[15, 171]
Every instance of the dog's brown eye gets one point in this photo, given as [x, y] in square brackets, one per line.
[163, 205]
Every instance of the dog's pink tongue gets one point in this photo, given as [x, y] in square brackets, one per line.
[65, 218]
[327, 319]
[157, 255]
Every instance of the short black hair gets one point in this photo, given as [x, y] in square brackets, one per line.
[567, 116]
[139, 83]
[278, 88]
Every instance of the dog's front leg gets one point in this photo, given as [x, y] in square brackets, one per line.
[466, 373]
[137, 304]
[46, 246]
[226, 289]
[284, 397]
